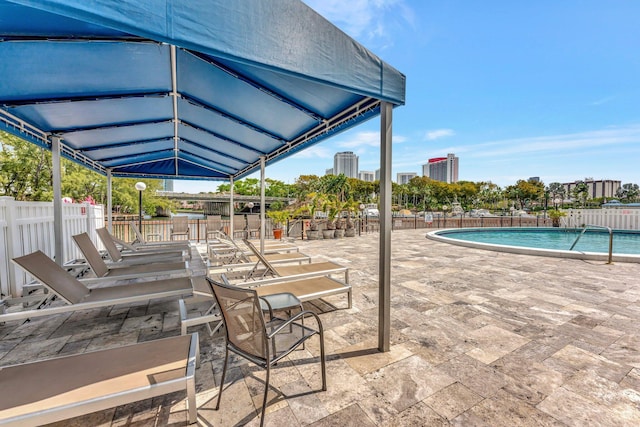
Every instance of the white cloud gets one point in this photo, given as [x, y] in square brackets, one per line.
[366, 139]
[314, 152]
[438, 133]
[370, 21]
[557, 144]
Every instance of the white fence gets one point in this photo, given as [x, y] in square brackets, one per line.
[618, 219]
[28, 226]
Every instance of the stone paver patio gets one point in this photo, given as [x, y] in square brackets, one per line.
[478, 338]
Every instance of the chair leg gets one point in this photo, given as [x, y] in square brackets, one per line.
[224, 372]
[322, 359]
[266, 392]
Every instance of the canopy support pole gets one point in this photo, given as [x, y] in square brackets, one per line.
[231, 208]
[262, 206]
[384, 291]
[174, 98]
[57, 200]
[109, 202]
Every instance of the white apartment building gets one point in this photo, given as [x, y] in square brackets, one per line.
[368, 176]
[597, 188]
[345, 163]
[443, 169]
[405, 177]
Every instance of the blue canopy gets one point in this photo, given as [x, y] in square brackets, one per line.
[197, 89]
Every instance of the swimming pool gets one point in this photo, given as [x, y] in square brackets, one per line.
[556, 242]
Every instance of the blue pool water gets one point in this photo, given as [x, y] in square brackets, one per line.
[624, 242]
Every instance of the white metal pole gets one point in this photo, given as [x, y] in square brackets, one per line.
[109, 202]
[231, 208]
[262, 205]
[57, 200]
[384, 292]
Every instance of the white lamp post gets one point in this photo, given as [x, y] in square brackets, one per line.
[140, 186]
[250, 206]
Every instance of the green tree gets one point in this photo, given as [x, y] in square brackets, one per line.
[581, 192]
[25, 169]
[628, 192]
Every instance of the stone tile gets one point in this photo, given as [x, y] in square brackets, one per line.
[365, 356]
[503, 409]
[493, 343]
[574, 409]
[408, 381]
[417, 415]
[453, 400]
[351, 416]
[475, 375]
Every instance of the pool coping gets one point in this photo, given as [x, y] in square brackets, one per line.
[522, 250]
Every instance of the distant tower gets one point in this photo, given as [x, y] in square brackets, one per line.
[405, 177]
[443, 169]
[167, 185]
[368, 176]
[346, 163]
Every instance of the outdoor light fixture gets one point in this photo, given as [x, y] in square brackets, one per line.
[250, 206]
[140, 186]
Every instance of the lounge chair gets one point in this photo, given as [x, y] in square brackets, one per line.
[213, 227]
[253, 226]
[262, 342]
[304, 290]
[273, 246]
[239, 226]
[180, 227]
[57, 389]
[137, 257]
[102, 270]
[79, 297]
[226, 252]
[277, 272]
[141, 242]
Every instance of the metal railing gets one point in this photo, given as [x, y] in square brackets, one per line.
[584, 230]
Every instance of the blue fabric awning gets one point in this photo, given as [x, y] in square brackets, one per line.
[195, 89]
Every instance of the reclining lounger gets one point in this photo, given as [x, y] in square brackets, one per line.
[56, 389]
[79, 297]
[101, 269]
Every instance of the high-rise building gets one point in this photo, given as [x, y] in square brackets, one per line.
[345, 163]
[602, 188]
[167, 185]
[328, 171]
[443, 169]
[366, 176]
[405, 177]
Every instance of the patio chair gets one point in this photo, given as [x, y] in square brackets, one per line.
[262, 342]
[276, 246]
[137, 257]
[302, 290]
[301, 271]
[141, 242]
[253, 226]
[180, 227]
[47, 391]
[101, 269]
[226, 251]
[213, 227]
[79, 297]
[239, 226]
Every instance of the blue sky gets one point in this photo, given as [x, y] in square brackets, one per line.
[515, 89]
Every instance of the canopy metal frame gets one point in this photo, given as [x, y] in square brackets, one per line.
[200, 98]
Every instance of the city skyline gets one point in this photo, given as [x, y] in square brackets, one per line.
[515, 89]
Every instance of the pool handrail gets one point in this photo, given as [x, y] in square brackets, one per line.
[609, 229]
